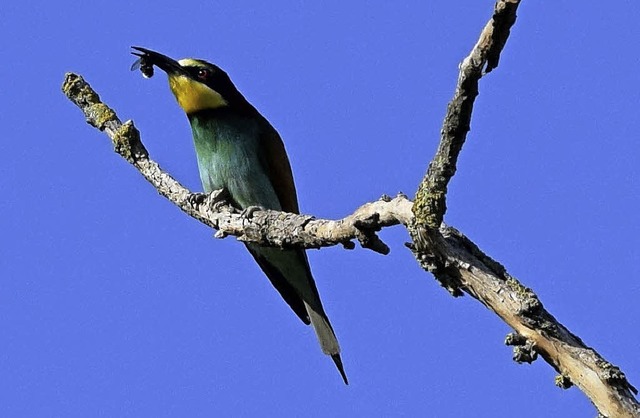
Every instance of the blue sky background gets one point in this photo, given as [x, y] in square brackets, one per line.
[113, 303]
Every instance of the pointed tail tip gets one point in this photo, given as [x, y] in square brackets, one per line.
[338, 361]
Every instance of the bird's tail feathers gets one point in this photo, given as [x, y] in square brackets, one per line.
[324, 331]
[326, 337]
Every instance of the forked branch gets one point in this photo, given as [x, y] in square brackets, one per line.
[456, 262]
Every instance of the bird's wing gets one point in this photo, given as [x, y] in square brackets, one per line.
[276, 164]
[282, 285]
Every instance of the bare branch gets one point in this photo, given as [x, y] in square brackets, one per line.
[537, 331]
[430, 204]
[456, 262]
[459, 265]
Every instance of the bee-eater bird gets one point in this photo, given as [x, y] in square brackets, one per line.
[238, 150]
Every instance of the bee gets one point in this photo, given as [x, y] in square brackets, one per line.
[143, 64]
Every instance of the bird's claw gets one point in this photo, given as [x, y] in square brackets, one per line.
[248, 212]
[197, 199]
[214, 199]
[219, 199]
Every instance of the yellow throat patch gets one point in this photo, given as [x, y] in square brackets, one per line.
[192, 95]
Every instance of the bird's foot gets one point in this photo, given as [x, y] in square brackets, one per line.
[197, 199]
[214, 199]
[248, 212]
[219, 198]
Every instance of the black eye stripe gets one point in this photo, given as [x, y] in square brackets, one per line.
[199, 72]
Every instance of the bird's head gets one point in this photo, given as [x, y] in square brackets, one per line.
[197, 85]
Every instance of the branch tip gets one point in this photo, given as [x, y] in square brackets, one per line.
[430, 201]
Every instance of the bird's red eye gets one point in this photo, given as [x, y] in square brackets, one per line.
[203, 73]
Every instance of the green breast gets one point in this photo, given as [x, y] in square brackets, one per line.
[227, 147]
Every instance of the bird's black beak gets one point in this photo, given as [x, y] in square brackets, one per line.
[149, 58]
